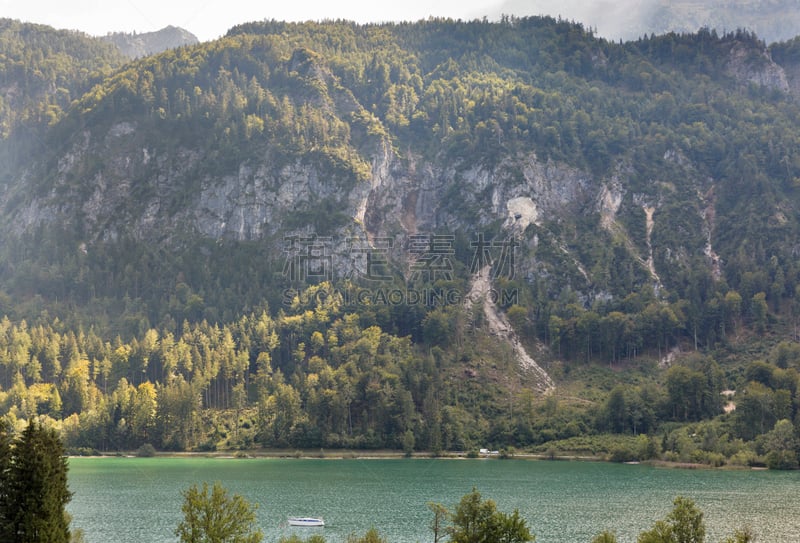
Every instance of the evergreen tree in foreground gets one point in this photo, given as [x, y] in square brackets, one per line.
[5, 466]
[34, 483]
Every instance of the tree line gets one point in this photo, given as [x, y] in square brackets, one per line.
[319, 375]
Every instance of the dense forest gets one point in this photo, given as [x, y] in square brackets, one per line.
[152, 214]
[42, 71]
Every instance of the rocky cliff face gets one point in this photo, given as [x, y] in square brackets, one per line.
[131, 190]
[150, 43]
[403, 195]
[756, 67]
[792, 71]
[418, 196]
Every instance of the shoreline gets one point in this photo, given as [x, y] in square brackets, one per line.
[385, 454]
[339, 454]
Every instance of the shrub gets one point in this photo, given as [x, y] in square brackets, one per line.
[622, 454]
[146, 451]
[782, 460]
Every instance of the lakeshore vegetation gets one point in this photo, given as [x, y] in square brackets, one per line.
[318, 376]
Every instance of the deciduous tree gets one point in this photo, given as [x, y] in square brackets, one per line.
[214, 516]
[684, 524]
[605, 537]
[478, 521]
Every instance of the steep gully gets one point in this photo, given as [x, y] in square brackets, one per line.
[480, 293]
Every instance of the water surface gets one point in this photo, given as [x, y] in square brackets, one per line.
[127, 500]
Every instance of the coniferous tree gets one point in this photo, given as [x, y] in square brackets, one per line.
[5, 466]
[37, 488]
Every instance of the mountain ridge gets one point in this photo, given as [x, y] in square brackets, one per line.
[138, 45]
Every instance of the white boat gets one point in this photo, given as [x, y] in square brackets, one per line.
[306, 521]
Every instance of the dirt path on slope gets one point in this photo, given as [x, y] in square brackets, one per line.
[500, 327]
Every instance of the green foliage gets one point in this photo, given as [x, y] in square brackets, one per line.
[477, 521]
[371, 536]
[440, 516]
[684, 524]
[742, 535]
[146, 451]
[34, 487]
[216, 517]
[408, 442]
[47, 69]
[475, 94]
[6, 496]
[605, 537]
[781, 445]
[315, 376]
[131, 336]
[694, 389]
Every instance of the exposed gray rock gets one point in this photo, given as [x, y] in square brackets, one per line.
[149, 43]
[792, 71]
[756, 67]
[130, 189]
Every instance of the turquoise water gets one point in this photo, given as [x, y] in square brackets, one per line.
[127, 500]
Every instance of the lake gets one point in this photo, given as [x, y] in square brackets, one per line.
[127, 500]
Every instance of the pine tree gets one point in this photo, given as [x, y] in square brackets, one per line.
[37, 488]
[5, 467]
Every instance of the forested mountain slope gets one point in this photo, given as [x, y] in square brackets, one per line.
[530, 126]
[42, 70]
[630, 199]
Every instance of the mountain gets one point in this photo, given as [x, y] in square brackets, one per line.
[772, 20]
[375, 230]
[42, 70]
[602, 157]
[149, 43]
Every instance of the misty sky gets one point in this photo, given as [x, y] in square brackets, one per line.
[209, 19]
